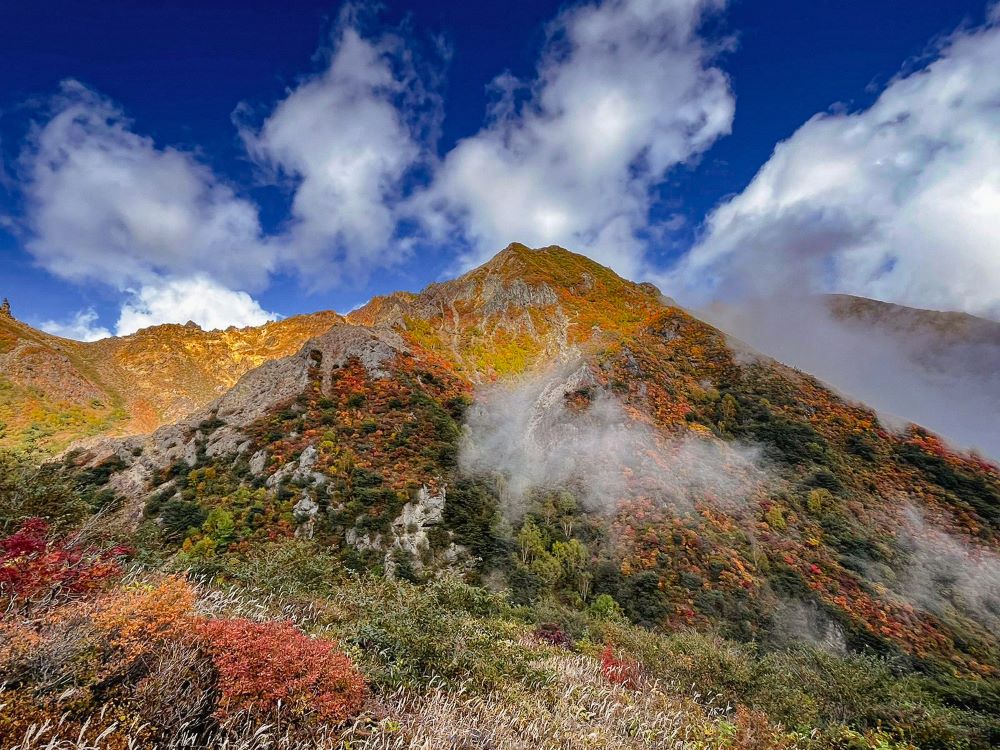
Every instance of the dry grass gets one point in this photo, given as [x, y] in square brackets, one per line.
[576, 709]
[566, 703]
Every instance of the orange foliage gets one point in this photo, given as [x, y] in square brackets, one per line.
[139, 619]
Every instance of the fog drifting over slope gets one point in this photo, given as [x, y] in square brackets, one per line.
[941, 381]
[530, 437]
[946, 573]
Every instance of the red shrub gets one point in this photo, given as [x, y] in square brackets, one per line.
[30, 563]
[625, 672]
[260, 664]
[554, 635]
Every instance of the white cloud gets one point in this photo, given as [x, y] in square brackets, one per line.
[106, 204]
[898, 202]
[82, 326]
[198, 299]
[624, 91]
[349, 138]
[946, 382]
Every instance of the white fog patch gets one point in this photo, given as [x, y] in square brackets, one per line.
[796, 620]
[947, 573]
[908, 374]
[530, 437]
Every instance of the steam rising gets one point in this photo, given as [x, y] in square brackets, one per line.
[564, 429]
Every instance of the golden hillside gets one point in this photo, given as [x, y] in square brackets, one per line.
[54, 390]
[522, 306]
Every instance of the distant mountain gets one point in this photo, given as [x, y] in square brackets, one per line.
[541, 406]
[54, 390]
[937, 369]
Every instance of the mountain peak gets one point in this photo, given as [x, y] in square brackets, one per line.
[521, 307]
[5, 309]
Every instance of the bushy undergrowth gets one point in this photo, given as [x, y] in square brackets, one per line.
[144, 659]
[807, 689]
[284, 647]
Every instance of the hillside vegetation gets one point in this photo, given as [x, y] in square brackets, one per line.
[538, 506]
[54, 391]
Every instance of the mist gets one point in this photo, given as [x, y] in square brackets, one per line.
[944, 572]
[564, 429]
[946, 379]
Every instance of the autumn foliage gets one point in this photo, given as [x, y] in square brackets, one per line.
[31, 563]
[137, 620]
[620, 670]
[145, 648]
[264, 667]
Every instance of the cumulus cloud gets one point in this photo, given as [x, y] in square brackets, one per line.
[83, 326]
[199, 299]
[349, 139]
[624, 91]
[107, 204]
[531, 437]
[898, 201]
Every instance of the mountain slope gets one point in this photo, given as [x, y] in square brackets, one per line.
[940, 370]
[614, 445]
[522, 307]
[537, 492]
[54, 391]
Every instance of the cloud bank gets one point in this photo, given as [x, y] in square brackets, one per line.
[896, 202]
[946, 381]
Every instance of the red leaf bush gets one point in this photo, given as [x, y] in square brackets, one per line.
[262, 664]
[554, 635]
[31, 563]
[624, 672]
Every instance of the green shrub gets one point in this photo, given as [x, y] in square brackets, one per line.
[445, 631]
[29, 489]
[179, 516]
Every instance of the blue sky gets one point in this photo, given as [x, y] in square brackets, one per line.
[230, 163]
